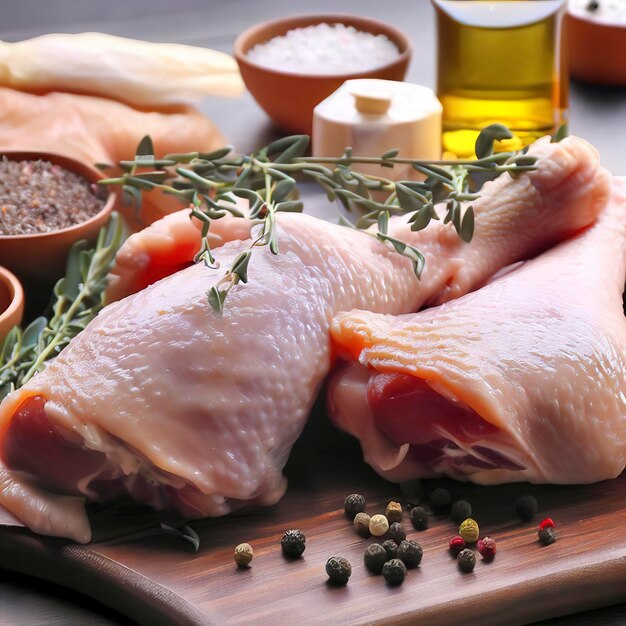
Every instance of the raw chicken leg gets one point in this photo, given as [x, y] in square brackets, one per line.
[183, 408]
[524, 379]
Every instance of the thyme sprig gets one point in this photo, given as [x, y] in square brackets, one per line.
[78, 297]
[211, 182]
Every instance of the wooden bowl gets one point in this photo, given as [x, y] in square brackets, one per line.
[597, 50]
[40, 257]
[11, 302]
[288, 97]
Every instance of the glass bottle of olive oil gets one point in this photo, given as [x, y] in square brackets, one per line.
[500, 61]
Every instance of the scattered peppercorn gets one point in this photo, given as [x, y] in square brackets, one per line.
[410, 553]
[393, 512]
[467, 560]
[397, 532]
[469, 530]
[243, 554]
[379, 525]
[526, 507]
[394, 572]
[339, 570]
[391, 548]
[419, 518]
[375, 557]
[440, 499]
[293, 542]
[487, 548]
[592, 6]
[460, 510]
[354, 503]
[547, 535]
[547, 523]
[362, 524]
[457, 543]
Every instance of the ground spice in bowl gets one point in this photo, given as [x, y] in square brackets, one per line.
[41, 197]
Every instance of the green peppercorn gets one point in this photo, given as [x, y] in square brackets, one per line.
[362, 525]
[547, 535]
[243, 554]
[440, 499]
[339, 570]
[375, 557]
[396, 532]
[393, 512]
[526, 507]
[354, 503]
[394, 572]
[410, 553]
[293, 543]
[467, 560]
[419, 518]
[391, 548]
[460, 510]
[469, 530]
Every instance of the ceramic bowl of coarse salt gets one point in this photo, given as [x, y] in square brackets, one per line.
[596, 36]
[290, 65]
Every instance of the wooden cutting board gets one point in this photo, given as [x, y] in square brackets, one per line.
[160, 580]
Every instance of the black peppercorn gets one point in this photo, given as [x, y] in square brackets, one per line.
[440, 499]
[293, 542]
[354, 503]
[592, 6]
[460, 510]
[338, 569]
[394, 572]
[419, 517]
[375, 557]
[467, 560]
[547, 535]
[526, 507]
[410, 553]
[396, 532]
[391, 547]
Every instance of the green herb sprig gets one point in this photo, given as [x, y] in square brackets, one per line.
[211, 182]
[78, 297]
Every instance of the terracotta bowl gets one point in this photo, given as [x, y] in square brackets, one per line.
[289, 98]
[11, 302]
[41, 257]
[597, 51]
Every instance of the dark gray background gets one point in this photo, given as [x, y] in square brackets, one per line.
[597, 114]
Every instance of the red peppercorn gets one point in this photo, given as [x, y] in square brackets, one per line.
[457, 544]
[547, 523]
[487, 548]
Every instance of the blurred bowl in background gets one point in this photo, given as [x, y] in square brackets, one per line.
[39, 258]
[597, 50]
[288, 97]
[11, 302]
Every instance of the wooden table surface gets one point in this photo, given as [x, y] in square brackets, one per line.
[597, 114]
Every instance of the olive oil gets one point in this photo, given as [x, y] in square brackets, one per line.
[500, 61]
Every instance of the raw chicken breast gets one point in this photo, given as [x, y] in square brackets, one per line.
[97, 130]
[524, 379]
[183, 408]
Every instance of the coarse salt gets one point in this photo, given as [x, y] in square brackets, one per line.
[611, 12]
[325, 49]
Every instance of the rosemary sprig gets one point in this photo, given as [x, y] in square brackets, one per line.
[77, 299]
[210, 183]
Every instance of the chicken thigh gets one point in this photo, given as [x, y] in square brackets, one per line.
[524, 379]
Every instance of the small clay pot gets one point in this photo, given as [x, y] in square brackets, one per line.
[40, 258]
[597, 51]
[288, 97]
[11, 302]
